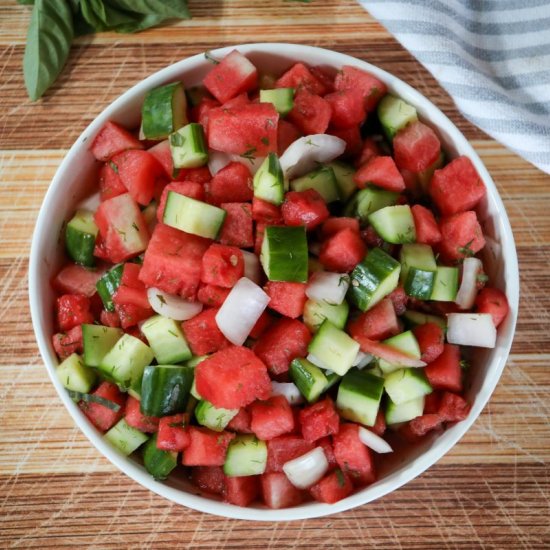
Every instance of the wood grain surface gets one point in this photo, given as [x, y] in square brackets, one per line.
[491, 491]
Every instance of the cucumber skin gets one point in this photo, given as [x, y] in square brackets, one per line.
[108, 284]
[419, 283]
[157, 118]
[309, 379]
[285, 252]
[157, 462]
[80, 246]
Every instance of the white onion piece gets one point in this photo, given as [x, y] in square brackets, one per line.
[362, 359]
[303, 155]
[217, 160]
[330, 287]
[241, 310]
[471, 329]
[252, 267]
[316, 361]
[308, 469]
[288, 390]
[252, 163]
[467, 292]
[172, 306]
[373, 441]
[90, 203]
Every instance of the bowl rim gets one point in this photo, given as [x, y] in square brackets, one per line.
[404, 474]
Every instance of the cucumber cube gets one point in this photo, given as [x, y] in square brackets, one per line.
[445, 287]
[166, 339]
[269, 181]
[315, 312]
[125, 438]
[188, 147]
[108, 285]
[246, 456]
[281, 98]
[371, 199]
[394, 114]
[80, 237]
[345, 183]
[157, 462]
[406, 384]
[213, 417]
[405, 342]
[284, 255]
[74, 375]
[395, 224]
[164, 111]
[395, 414]
[322, 180]
[310, 379]
[97, 341]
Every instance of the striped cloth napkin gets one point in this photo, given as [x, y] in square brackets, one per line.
[492, 57]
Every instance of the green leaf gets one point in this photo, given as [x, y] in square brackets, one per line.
[92, 13]
[92, 398]
[141, 23]
[49, 38]
[167, 8]
[26, 2]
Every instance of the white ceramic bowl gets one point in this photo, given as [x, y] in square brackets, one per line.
[74, 180]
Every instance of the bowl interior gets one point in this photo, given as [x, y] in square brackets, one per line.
[75, 180]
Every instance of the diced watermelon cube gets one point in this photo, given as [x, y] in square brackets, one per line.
[365, 84]
[113, 139]
[77, 279]
[240, 423]
[102, 417]
[233, 183]
[333, 487]
[311, 113]
[222, 265]
[271, 418]
[369, 150]
[202, 333]
[234, 75]
[110, 184]
[493, 301]
[278, 492]
[377, 323]
[67, 343]
[284, 448]
[247, 130]
[173, 433]
[237, 101]
[461, 236]
[135, 418]
[122, 228]
[343, 251]
[286, 340]
[109, 318]
[299, 76]
[198, 175]
[457, 187]
[262, 324]
[452, 408]
[352, 137]
[265, 212]
[237, 229]
[382, 172]
[348, 108]
[426, 228]
[232, 378]
[445, 373]
[73, 310]
[206, 447]
[421, 425]
[131, 314]
[305, 208]
[287, 133]
[172, 261]
[212, 295]
[353, 457]
[241, 491]
[326, 444]
[432, 402]
[379, 427]
[430, 339]
[332, 225]
[286, 298]
[416, 147]
[399, 300]
[201, 112]
[162, 153]
[210, 479]
[319, 420]
[188, 188]
[131, 289]
[325, 75]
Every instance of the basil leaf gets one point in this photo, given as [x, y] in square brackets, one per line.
[141, 23]
[167, 8]
[92, 398]
[89, 10]
[25, 2]
[49, 40]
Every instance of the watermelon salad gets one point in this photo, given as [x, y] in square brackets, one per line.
[276, 284]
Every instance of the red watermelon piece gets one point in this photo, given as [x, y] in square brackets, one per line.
[319, 420]
[241, 491]
[399, 299]
[233, 183]
[369, 150]
[386, 352]
[348, 108]
[135, 418]
[271, 418]
[203, 335]
[352, 137]
[67, 343]
[237, 229]
[206, 447]
[188, 188]
[102, 417]
[305, 208]
[335, 486]
[342, 251]
[378, 323]
[240, 423]
[287, 133]
[77, 279]
[299, 76]
[430, 339]
[173, 434]
[416, 147]
[444, 373]
[452, 407]
[222, 265]
[331, 226]
[110, 184]
[461, 236]
[284, 448]
[310, 114]
[73, 310]
[426, 228]
[212, 295]
[265, 212]
[113, 139]
[278, 492]
[287, 298]
[493, 301]
[366, 85]
[210, 479]
[380, 171]
[421, 425]
[353, 457]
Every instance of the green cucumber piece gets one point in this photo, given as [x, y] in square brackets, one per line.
[75, 375]
[445, 287]
[418, 270]
[344, 174]
[359, 396]
[405, 384]
[193, 391]
[405, 342]
[394, 114]
[316, 312]
[125, 438]
[195, 360]
[281, 98]
[334, 348]
[213, 417]
[269, 182]
[415, 318]
[395, 224]
[80, 237]
[135, 387]
[166, 339]
[97, 340]
[108, 284]
[284, 255]
[163, 111]
[125, 361]
[371, 199]
[332, 379]
[322, 180]
[165, 389]
[309, 379]
[193, 216]
[373, 279]
[396, 414]
[157, 462]
[188, 146]
[246, 456]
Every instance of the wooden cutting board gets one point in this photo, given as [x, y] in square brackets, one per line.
[491, 491]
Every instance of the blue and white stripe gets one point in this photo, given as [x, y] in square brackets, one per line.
[492, 57]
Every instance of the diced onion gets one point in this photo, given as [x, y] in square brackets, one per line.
[362, 359]
[316, 361]
[303, 155]
[252, 267]
[373, 441]
[308, 469]
[471, 329]
[90, 203]
[330, 287]
[172, 306]
[217, 160]
[241, 310]
[252, 163]
[287, 390]
[467, 292]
